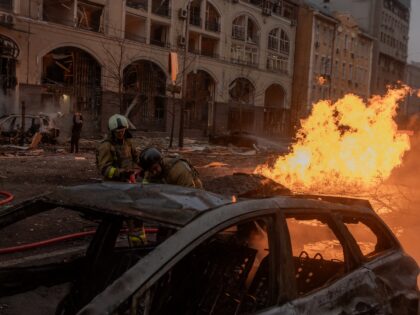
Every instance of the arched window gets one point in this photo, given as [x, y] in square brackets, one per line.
[279, 41]
[145, 86]
[245, 33]
[245, 29]
[212, 18]
[278, 51]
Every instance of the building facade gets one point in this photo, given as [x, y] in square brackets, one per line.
[388, 22]
[411, 107]
[103, 57]
[333, 57]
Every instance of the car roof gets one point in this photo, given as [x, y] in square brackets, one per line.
[173, 205]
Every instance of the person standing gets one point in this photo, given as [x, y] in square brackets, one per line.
[75, 132]
[116, 157]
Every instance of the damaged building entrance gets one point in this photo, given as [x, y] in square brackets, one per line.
[200, 97]
[72, 82]
[144, 95]
[241, 111]
[9, 52]
[276, 116]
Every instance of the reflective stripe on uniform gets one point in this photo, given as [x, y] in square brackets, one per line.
[111, 172]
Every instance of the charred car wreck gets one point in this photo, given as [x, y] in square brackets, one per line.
[204, 254]
[14, 127]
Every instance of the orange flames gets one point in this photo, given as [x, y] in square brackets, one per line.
[321, 80]
[344, 147]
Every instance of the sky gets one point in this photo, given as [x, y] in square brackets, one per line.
[414, 41]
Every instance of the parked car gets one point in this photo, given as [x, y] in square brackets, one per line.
[204, 254]
[10, 126]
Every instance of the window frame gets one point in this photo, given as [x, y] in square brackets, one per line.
[273, 239]
[351, 259]
[379, 227]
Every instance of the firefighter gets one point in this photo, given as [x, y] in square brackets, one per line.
[168, 170]
[116, 157]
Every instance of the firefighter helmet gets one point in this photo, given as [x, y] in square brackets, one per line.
[148, 157]
[117, 121]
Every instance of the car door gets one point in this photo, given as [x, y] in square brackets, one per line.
[394, 271]
[329, 277]
[222, 263]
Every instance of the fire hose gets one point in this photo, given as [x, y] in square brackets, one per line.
[8, 197]
[20, 248]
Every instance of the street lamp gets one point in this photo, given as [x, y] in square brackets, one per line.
[184, 79]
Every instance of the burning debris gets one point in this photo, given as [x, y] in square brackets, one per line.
[344, 146]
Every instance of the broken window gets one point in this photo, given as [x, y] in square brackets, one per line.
[229, 273]
[6, 5]
[275, 115]
[368, 236]
[145, 93]
[61, 12]
[159, 34]
[161, 7]
[200, 91]
[135, 28]
[137, 4]
[241, 90]
[88, 15]
[72, 71]
[318, 254]
[40, 256]
[9, 52]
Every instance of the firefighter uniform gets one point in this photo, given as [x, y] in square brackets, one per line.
[115, 158]
[178, 171]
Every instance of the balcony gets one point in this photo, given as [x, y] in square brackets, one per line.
[213, 26]
[137, 4]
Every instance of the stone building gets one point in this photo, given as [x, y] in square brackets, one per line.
[333, 57]
[101, 56]
[388, 22]
[410, 111]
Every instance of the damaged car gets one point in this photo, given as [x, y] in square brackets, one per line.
[71, 252]
[11, 128]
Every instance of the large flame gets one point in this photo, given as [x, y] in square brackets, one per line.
[344, 146]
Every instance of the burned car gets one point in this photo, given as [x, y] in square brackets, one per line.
[203, 254]
[11, 127]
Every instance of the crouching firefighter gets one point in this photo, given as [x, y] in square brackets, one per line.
[117, 160]
[116, 157]
[168, 170]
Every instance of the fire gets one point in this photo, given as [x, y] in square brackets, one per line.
[344, 146]
[321, 80]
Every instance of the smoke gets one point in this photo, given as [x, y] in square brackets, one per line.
[402, 198]
[6, 104]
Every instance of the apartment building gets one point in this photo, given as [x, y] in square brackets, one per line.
[412, 78]
[103, 56]
[333, 57]
[388, 22]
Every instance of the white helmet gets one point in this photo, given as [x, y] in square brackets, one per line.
[117, 121]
